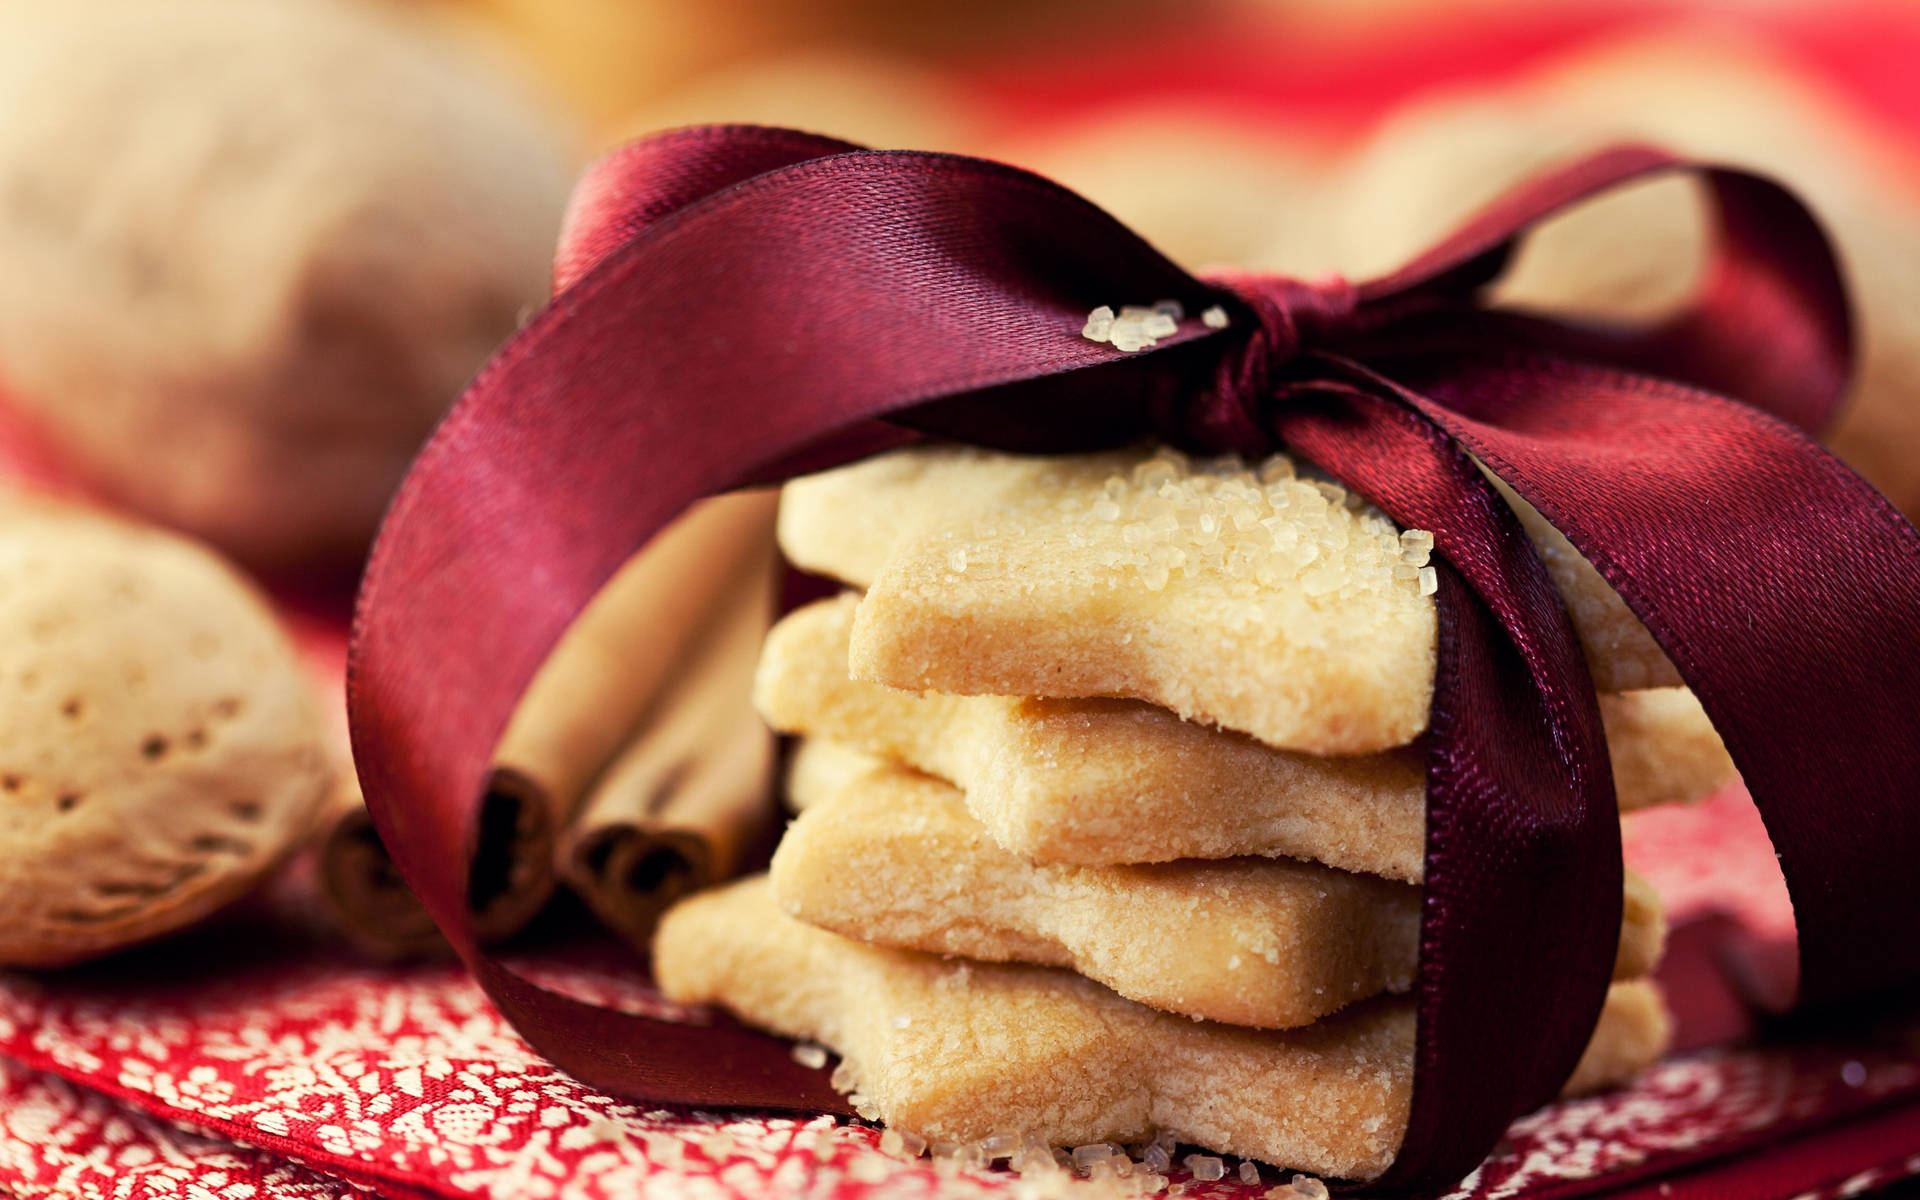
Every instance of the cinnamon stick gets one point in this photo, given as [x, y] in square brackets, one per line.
[369, 900]
[679, 808]
[601, 680]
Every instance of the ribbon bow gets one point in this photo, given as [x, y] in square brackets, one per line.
[735, 305]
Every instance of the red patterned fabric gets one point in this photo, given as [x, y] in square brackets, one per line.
[257, 1059]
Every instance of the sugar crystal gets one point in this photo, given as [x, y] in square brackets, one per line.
[1085, 1156]
[1429, 581]
[902, 1143]
[1157, 1158]
[1309, 1188]
[1171, 308]
[1129, 336]
[1027, 1162]
[1249, 1174]
[1205, 1167]
[1214, 318]
[999, 1145]
[1099, 326]
[1416, 545]
[810, 1056]
[842, 1078]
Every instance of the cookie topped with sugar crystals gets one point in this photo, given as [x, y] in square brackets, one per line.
[1258, 597]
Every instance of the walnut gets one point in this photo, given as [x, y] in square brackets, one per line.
[161, 748]
[253, 251]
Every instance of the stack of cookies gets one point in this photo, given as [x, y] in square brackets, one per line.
[1111, 831]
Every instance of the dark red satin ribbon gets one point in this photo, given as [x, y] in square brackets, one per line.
[736, 304]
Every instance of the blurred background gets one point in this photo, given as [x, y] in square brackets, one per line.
[252, 250]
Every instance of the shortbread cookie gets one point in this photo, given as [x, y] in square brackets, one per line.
[1634, 1030]
[1100, 781]
[1120, 781]
[1620, 650]
[161, 748]
[1268, 603]
[1263, 601]
[957, 1051]
[1664, 748]
[894, 858]
[820, 768]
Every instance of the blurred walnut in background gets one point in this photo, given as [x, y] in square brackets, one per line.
[253, 250]
[161, 748]
[1207, 186]
[873, 100]
[1638, 255]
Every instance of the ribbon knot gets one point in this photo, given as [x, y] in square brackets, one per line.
[1290, 317]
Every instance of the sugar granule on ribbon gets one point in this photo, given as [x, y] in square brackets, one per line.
[1099, 326]
[1136, 327]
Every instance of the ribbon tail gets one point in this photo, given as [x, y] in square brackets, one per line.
[1523, 885]
[1805, 657]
